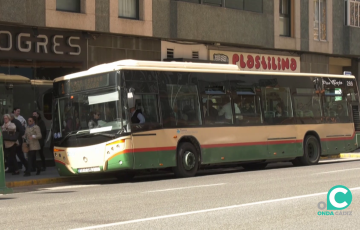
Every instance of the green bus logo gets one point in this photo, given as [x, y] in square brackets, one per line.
[339, 197]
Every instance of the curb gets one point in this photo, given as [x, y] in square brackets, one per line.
[330, 157]
[350, 155]
[40, 182]
[342, 155]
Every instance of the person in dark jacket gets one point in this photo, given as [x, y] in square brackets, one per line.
[21, 130]
[136, 116]
[42, 126]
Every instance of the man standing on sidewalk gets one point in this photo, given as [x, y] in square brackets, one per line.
[22, 120]
[20, 129]
[42, 127]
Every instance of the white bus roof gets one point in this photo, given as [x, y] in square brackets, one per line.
[182, 67]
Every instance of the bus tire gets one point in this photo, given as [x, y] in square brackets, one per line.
[187, 160]
[255, 166]
[312, 152]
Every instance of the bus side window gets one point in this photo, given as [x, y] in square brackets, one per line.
[148, 107]
[277, 104]
[213, 109]
[184, 103]
[335, 105]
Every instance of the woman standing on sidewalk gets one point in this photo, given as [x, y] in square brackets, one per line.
[32, 136]
[10, 146]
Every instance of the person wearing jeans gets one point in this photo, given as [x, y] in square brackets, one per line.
[32, 135]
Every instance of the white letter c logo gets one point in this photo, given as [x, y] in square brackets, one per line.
[332, 198]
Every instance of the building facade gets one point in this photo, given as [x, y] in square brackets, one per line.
[55, 37]
[318, 35]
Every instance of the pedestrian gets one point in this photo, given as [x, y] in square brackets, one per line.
[42, 126]
[32, 136]
[21, 130]
[16, 112]
[10, 146]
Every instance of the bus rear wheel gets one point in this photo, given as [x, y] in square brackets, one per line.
[312, 151]
[255, 166]
[187, 160]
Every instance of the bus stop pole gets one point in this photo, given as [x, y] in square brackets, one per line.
[3, 188]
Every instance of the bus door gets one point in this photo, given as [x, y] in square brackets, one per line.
[281, 130]
[145, 140]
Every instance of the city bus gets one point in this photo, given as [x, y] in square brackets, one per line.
[130, 116]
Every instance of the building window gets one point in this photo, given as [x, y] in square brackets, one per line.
[235, 4]
[213, 2]
[248, 5]
[285, 18]
[353, 13]
[253, 5]
[68, 5]
[129, 9]
[320, 31]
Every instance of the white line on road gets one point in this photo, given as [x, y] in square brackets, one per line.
[205, 210]
[198, 186]
[343, 170]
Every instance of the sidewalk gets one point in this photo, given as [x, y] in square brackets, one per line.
[50, 176]
[47, 177]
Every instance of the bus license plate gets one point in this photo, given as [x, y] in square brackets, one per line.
[85, 170]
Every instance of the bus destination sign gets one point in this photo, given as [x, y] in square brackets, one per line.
[88, 83]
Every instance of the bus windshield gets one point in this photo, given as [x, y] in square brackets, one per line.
[90, 112]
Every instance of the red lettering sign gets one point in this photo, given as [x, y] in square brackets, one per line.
[265, 62]
[257, 62]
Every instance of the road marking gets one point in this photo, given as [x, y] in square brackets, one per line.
[205, 211]
[198, 186]
[70, 187]
[343, 170]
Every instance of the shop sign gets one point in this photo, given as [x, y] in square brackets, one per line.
[258, 62]
[27, 43]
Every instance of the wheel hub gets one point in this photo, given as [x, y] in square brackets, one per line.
[189, 160]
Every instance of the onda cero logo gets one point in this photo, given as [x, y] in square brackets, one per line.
[339, 198]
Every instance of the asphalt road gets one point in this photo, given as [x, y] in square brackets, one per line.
[279, 197]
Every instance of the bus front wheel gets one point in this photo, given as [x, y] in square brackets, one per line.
[187, 160]
[312, 151]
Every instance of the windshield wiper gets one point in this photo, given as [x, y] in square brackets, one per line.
[100, 134]
[72, 133]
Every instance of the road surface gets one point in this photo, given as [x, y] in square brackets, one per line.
[278, 197]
